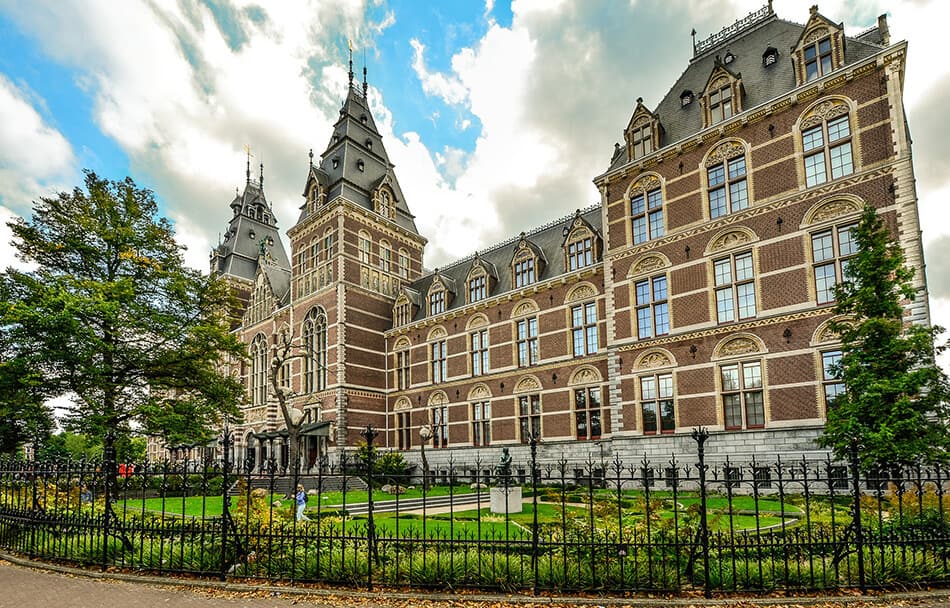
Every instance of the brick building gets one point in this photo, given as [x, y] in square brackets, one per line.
[696, 293]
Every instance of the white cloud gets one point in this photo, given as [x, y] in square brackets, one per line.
[447, 88]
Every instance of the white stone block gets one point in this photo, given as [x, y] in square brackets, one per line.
[506, 500]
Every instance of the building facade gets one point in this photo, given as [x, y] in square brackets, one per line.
[697, 292]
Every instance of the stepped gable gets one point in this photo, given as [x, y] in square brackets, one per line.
[746, 41]
[546, 240]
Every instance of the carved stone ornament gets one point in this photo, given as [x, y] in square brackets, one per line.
[646, 183]
[826, 110]
[402, 404]
[477, 321]
[728, 240]
[528, 383]
[524, 308]
[438, 332]
[479, 392]
[586, 375]
[834, 209]
[723, 152]
[581, 292]
[828, 335]
[401, 343]
[719, 83]
[654, 360]
[438, 398]
[647, 264]
[738, 346]
[816, 34]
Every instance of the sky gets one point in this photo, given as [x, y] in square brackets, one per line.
[497, 114]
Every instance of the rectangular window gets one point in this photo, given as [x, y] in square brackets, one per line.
[477, 288]
[404, 430]
[440, 426]
[818, 59]
[735, 287]
[580, 254]
[479, 352]
[646, 211]
[481, 424]
[402, 369]
[439, 362]
[653, 313]
[437, 302]
[587, 413]
[831, 250]
[327, 246]
[366, 247]
[828, 146]
[527, 342]
[385, 258]
[584, 329]
[642, 141]
[742, 395]
[728, 190]
[656, 399]
[529, 417]
[404, 265]
[402, 314]
[720, 105]
[524, 272]
[830, 376]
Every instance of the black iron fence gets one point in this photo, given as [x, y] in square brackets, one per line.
[598, 526]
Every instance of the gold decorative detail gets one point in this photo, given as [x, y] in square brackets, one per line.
[738, 346]
[826, 110]
[586, 375]
[834, 209]
[581, 292]
[815, 34]
[733, 238]
[524, 308]
[654, 360]
[402, 404]
[528, 383]
[725, 151]
[647, 263]
[646, 183]
[480, 391]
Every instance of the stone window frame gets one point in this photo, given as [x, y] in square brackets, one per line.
[524, 269]
[481, 422]
[651, 305]
[258, 351]
[438, 360]
[587, 411]
[818, 118]
[477, 284]
[643, 132]
[817, 30]
[656, 398]
[403, 263]
[385, 256]
[722, 156]
[438, 298]
[402, 311]
[743, 390]
[838, 259]
[364, 247]
[734, 284]
[711, 99]
[314, 341]
[403, 426]
[584, 331]
[529, 410]
[439, 423]
[479, 359]
[643, 186]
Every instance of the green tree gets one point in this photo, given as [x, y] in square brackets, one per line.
[894, 406]
[113, 317]
[24, 417]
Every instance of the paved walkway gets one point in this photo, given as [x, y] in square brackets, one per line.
[22, 586]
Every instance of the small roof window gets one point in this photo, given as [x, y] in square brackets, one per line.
[770, 56]
[686, 98]
[729, 58]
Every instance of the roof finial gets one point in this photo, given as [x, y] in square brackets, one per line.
[365, 84]
[350, 44]
[311, 156]
[247, 150]
[262, 176]
[693, 34]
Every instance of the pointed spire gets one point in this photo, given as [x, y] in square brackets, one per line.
[350, 43]
[365, 84]
[311, 157]
[247, 149]
[262, 176]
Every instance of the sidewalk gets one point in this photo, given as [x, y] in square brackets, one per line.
[21, 585]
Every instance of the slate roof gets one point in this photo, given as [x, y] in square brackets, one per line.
[761, 83]
[547, 240]
[355, 138]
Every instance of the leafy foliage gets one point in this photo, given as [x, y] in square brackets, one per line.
[112, 316]
[894, 408]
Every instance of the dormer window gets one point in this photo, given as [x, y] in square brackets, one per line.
[642, 140]
[401, 313]
[363, 119]
[686, 98]
[818, 61]
[820, 48]
[729, 58]
[722, 95]
[368, 143]
[477, 287]
[436, 301]
[769, 57]
[335, 162]
[720, 104]
[642, 133]
[580, 244]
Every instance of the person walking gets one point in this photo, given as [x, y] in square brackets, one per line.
[301, 503]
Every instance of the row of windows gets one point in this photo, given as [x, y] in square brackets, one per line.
[386, 260]
[741, 395]
[827, 154]
[314, 346]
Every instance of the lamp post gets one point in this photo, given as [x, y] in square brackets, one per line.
[425, 434]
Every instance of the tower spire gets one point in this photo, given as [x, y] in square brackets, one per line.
[350, 44]
[365, 84]
[247, 150]
[262, 176]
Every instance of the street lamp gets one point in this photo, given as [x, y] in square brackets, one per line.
[425, 434]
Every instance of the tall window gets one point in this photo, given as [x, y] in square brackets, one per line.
[587, 414]
[440, 426]
[742, 401]
[653, 313]
[479, 352]
[439, 362]
[830, 379]
[580, 254]
[646, 211]
[584, 328]
[437, 302]
[402, 369]
[402, 314]
[403, 264]
[315, 347]
[385, 256]
[656, 402]
[365, 248]
[327, 246]
[527, 342]
[404, 430]
[735, 287]
[529, 417]
[524, 272]
[641, 139]
[481, 423]
[827, 145]
[831, 249]
[728, 191]
[720, 104]
[259, 370]
[818, 59]
[477, 288]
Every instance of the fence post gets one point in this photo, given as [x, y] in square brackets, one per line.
[369, 434]
[108, 469]
[533, 443]
[226, 442]
[856, 514]
[700, 436]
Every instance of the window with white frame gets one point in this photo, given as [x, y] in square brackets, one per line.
[646, 213]
[587, 413]
[481, 423]
[827, 150]
[365, 248]
[529, 417]
[404, 263]
[728, 189]
[641, 140]
[735, 287]
[527, 330]
[580, 253]
[584, 329]
[653, 312]
[404, 430]
[440, 426]
[402, 369]
[437, 302]
[477, 288]
[818, 59]
[315, 351]
[657, 404]
[439, 362]
[479, 352]
[524, 271]
[831, 376]
[385, 256]
[742, 395]
[720, 104]
[831, 250]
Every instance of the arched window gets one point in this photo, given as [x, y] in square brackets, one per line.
[259, 370]
[826, 142]
[365, 247]
[315, 347]
[726, 179]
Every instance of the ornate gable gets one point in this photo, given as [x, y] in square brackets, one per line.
[643, 132]
[722, 96]
[820, 48]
